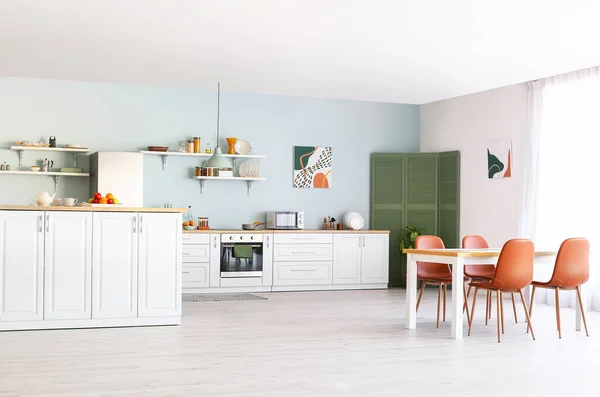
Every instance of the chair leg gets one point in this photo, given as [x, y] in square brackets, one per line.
[437, 325]
[527, 313]
[421, 294]
[582, 311]
[473, 311]
[491, 296]
[466, 305]
[502, 310]
[445, 293]
[498, 313]
[531, 307]
[512, 296]
[557, 298]
[488, 307]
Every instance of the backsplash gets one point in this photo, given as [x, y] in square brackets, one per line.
[111, 117]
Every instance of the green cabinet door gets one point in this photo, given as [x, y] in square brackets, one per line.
[449, 198]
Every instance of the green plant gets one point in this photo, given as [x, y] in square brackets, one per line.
[411, 234]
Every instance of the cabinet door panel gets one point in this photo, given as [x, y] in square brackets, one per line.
[159, 265]
[346, 259]
[68, 266]
[115, 265]
[374, 261]
[21, 265]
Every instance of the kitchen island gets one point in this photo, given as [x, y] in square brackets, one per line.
[84, 266]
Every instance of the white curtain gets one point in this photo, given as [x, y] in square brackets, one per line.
[561, 195]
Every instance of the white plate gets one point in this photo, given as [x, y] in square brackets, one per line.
[242, 147]
[249, 168]
[354, 221]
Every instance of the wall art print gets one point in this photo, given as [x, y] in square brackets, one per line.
[499, 155]
[312, 167]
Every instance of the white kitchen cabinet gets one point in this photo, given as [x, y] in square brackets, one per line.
[115, 265]
[215, 260]
[195, 275]
[21, 265]
[302, 273]
[68, 266]
[375, 259]
[267, 279]
[347, 258]
[159, 265]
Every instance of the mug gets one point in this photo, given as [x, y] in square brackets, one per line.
[57, 201]
[70, 202]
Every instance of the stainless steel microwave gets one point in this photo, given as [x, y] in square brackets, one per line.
[285, 220]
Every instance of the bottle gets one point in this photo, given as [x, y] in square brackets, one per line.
[190, 216]
[197, 144]
[208, 149]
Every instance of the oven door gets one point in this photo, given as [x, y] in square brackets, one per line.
[241, 260]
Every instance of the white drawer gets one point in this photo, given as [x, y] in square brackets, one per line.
[298, 273]
[196, 253]
[195, 238]
[195, 276]
[302, 252]
[303, 238]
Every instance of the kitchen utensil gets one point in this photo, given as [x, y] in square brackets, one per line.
[3, 166]
[47, 164]
[42, 199]
[252, 226]
[34, 168]
[231, 142]
[70, 202]
[158, 148]
[57, 201]
[354, 221]
[242, 147]
[249, 168]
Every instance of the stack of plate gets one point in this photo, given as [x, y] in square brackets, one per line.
[249, 168]
[353, 221]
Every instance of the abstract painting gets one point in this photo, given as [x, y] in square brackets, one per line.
[499, 155]
[312, 167]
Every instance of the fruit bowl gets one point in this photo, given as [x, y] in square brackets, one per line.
[158, 148]
[189, 228]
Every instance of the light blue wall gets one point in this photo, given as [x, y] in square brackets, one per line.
[109, 117]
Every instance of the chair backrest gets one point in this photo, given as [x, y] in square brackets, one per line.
[476, 242]
[514, 270]
[572, 266]
[431, 270]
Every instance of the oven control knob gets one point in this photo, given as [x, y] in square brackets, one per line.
[251, 237]
[241, 237]
[231, 237]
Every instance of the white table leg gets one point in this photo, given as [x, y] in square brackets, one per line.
[411, 292]
[457, 297]
[578, 318]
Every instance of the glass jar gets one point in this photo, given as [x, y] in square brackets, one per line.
[190, 147]
[182, 148]
[197, 144]
[198, 171]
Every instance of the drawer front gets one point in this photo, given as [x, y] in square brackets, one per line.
[196, 253]
[302, 252]
[195, 276]
[303, 238]
[299, 273]
[193, 238]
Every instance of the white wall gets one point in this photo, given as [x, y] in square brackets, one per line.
[489, 207]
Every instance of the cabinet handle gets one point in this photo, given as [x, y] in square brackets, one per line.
[267, 238]
[186, 272]
[303, 270]
[47, 223]
[134, 225]
[141, 224]
[215, 239]
[186, 253]
[40, 222]
[305, 253]
[359, 241]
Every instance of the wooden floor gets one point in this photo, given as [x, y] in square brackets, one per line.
[343, 343]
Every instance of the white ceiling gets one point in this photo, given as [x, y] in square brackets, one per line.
[403, 51]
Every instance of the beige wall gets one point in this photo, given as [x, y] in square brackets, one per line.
[489, 207]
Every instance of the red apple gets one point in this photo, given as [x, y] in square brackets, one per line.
[96, 201]
[97, 196]
[110, 201]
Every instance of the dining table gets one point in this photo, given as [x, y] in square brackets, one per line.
[457, 258]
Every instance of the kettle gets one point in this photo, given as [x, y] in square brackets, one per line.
[42, 199]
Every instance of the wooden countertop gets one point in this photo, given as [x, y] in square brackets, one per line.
[306, 231]
[89, 209]
[472, 253]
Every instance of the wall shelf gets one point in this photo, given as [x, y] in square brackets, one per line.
[21, 149]
[249, 181]
[164, 156]
[55, 175]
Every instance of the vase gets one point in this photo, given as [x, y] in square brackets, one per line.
[231, 142]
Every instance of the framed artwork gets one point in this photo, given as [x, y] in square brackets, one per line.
[312, 167]
[499, 156]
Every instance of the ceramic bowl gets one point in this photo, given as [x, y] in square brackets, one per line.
[189, 227]
[34, 168]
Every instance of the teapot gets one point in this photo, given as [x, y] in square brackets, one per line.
[42, 199]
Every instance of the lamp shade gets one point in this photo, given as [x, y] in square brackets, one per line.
[217, 160]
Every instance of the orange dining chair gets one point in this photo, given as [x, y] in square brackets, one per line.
[514, 271]
[483, 273]
[434, 273]
[571, 270]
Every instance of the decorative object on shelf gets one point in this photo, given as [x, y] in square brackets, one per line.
[410, 235]
[52, 141]
[249, 168]
[329, 223]
[499, 162]
[312, 167]
[217, 160]
[158, 148]
[42, 199]
[34, 168]
[242, 147]
[353, 221]
[231, 142]
[47, 164]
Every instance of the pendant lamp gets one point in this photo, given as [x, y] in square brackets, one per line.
[217, 160]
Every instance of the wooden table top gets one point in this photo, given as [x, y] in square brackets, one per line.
[472, 253]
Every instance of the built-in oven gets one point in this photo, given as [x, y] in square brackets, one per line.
[241, 255]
